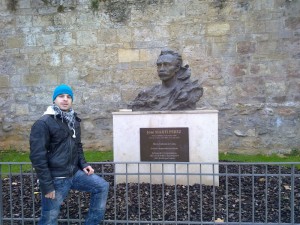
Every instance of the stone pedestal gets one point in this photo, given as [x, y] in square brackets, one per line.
[203, 147]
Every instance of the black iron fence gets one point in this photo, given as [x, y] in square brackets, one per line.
[240, 193]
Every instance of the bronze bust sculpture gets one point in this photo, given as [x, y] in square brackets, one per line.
[176, 92]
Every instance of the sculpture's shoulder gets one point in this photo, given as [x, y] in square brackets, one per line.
[144, 99]
[148, 92]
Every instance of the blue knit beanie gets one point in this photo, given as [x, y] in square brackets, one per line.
[62, 89]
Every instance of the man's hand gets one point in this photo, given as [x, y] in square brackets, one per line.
[50, 195]
[88, 170]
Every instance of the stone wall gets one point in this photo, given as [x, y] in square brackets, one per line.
[245, 53]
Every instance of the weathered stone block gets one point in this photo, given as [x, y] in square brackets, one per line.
[86, 37]
[45, 39]
[273, 25]
[107, 36]
[297, 98]
[4, 81]
[15, 42]
[30, 40]
[279, 99]
[24, 4]
[24, 21]
[275, 88]
[255, 26]
[128, 55]
[268, 46]
[292, 22]
[21, 109]
[31, 80]
[42, 21]
[254, 69]
[6, 65]
[148, 55]
[287, 112]
[239, 69]
[7, 126]
[245, 47]
[222, 48]
[218, 29]
[66, 38]
[197, 8]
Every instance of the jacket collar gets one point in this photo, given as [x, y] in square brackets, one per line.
[49, 111]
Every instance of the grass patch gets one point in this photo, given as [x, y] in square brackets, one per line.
[231, 157]
[90, 156]
[98, 156]
[294, 156]
[102, 156]
[13, 156]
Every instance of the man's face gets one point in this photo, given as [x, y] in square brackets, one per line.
[167, 66]
[64, 102]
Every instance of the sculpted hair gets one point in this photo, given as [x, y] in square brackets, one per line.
[175, 54]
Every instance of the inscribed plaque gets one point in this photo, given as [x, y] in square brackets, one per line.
[164, 144]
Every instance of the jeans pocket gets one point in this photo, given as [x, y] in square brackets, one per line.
[62, 187]
[59, 183]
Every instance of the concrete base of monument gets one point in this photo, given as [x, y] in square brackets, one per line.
[148, 147]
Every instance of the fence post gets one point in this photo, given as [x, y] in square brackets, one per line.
[1, 198]
[293, 205]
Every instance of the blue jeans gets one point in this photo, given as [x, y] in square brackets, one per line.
[94, 184]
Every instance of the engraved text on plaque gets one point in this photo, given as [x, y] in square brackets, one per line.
[164, 144]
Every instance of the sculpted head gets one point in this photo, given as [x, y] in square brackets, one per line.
[176, 91]
[168, 64]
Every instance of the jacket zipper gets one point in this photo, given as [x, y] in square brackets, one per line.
[71, 157]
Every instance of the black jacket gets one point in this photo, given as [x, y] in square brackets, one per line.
[53, 150]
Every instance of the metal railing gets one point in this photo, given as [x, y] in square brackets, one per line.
[241, 193]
